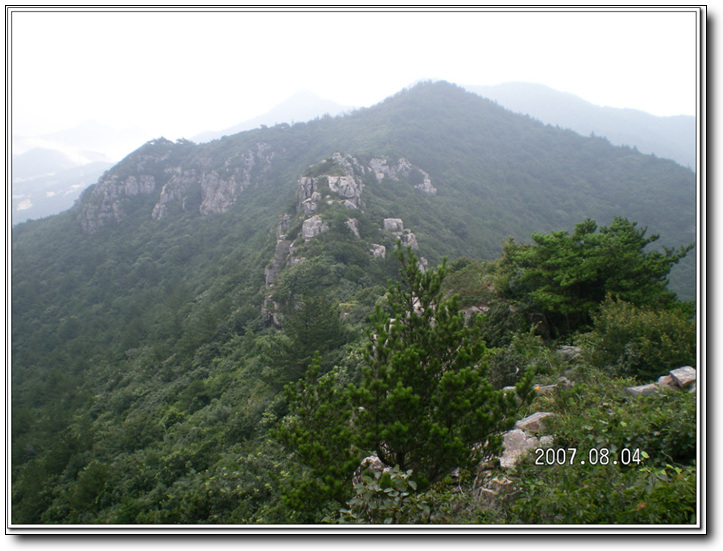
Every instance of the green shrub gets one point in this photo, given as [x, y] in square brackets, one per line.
[663, 424]
[385, 498]
[573, 494]
[638, 341]
[524, 352]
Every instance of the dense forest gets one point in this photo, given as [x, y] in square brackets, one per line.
[222, 333]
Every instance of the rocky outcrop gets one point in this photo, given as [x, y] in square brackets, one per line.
[516, 442]
[167, 169]
[220, 188]
[353, 225]
[312, 227]
[402, 168]
[106, 200]
[343, 180]
[393, 224]
[143, 172]
[682, 378]
[533, 423]
[378, 251]
[272, 271]
[396, 227]
[174, 191]
[569, 352]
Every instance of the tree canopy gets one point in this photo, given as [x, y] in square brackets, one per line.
[567, 277]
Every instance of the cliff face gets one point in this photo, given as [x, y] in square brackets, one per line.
[177, 174]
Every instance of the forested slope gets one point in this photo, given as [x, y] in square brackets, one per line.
[150, 345]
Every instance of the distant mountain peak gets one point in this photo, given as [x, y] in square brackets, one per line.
[302, 106]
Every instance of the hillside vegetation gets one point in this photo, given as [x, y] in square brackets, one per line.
[221, 333]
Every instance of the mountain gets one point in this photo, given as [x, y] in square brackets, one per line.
[40, 162]
[497, 174]
[50, 171]
[668, 137]
[155, 323]
[302, 106]
[53, 191]
[89, 141]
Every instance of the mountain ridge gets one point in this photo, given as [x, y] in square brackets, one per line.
[670, 137]
[156, 323]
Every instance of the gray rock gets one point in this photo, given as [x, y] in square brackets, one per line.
[393, 224]
[408, 239]
[426, 186]
[312, 227]
[272, 271]
[666, 381]
[642, 390]
[402, 168]
[344, 186]
[515, 443]
[378, 251]
[307, 189]
[533, 423]
[219, 193]
[545, 389]
[373, 463]
[353, 228]
[684, 376]
[347, 186]
[220, 188]
[106, 201]
[308, 206]
[569, 352]
[283, 226]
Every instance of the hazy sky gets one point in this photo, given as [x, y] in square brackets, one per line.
[179, 73]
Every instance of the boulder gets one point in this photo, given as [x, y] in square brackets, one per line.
[308, 206]
[393, 224]
[312, 227]
[515, 443]
[533, 423]
[569, 352]
[409, 240]
[683, 376]
[426, 186]
[372, 463]
[666, 381]
[642, 390]
[378, 251]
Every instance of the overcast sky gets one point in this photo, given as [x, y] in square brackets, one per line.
[178, 74]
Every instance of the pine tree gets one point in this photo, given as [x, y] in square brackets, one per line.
[567, 277]
[423, 403]
[426, 403]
